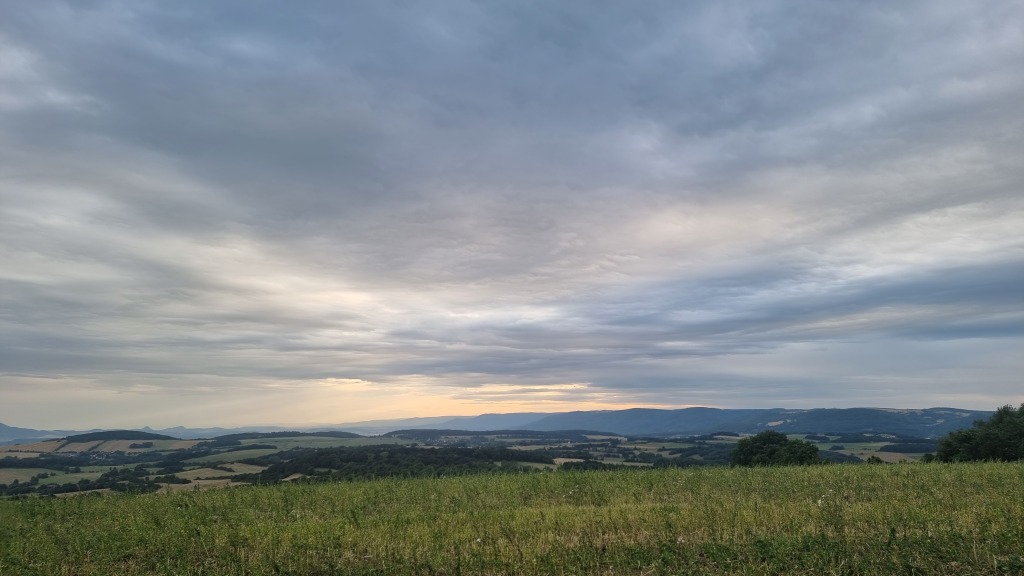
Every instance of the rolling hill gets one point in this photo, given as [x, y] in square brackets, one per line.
[923, 423]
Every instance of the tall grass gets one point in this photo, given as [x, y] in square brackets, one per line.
[900, 519]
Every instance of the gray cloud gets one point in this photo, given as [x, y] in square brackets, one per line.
[477, 206]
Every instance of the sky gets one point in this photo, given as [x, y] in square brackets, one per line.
[240, 212]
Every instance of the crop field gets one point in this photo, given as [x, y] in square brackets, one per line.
[231, 456]
[197, 473]
[20, 474]
[73, 476]
[78, 446]
[63, 447]
[322, 442]
[201, 484]
[838, 519]
[9, 475]
[126, 445]
[236, 468]
[21, 454]
[43, 447]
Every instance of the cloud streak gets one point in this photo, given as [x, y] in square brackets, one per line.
[475, 207]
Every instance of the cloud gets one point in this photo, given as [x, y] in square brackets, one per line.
[482, 204]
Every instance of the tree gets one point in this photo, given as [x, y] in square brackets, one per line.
[771, 448]
[1001, 437]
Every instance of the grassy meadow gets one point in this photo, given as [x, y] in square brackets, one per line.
[838, 519]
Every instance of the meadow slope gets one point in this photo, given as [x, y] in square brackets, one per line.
[838, 519]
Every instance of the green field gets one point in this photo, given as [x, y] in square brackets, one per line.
[22, 474]
[223, 457]
[897, 519]
[286, 443]
[8, 475]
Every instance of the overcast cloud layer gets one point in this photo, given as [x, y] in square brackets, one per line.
[227, 213]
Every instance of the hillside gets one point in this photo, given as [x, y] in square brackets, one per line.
[948, 519]
[117, 435]
[13, 433]
[135, 461]
[924, 423]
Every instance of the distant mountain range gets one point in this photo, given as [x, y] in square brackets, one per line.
[14, 435]
[924, 423]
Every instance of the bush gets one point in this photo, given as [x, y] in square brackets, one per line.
[771, 448]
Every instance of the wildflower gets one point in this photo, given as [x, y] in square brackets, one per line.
[824, 497]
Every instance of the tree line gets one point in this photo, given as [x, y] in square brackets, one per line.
[1000, 438]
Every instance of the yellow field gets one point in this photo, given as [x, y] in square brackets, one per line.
[78, 446]
[58, 446]
[178, 444]
[245, 468]
[19, 454]
[45, 447]
[126, 445]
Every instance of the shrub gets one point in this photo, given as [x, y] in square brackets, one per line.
[771, 448]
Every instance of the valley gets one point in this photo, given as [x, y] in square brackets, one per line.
[135, 461]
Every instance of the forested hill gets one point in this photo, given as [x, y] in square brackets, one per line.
[924, 423]
[382, 461]
[117, 435]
